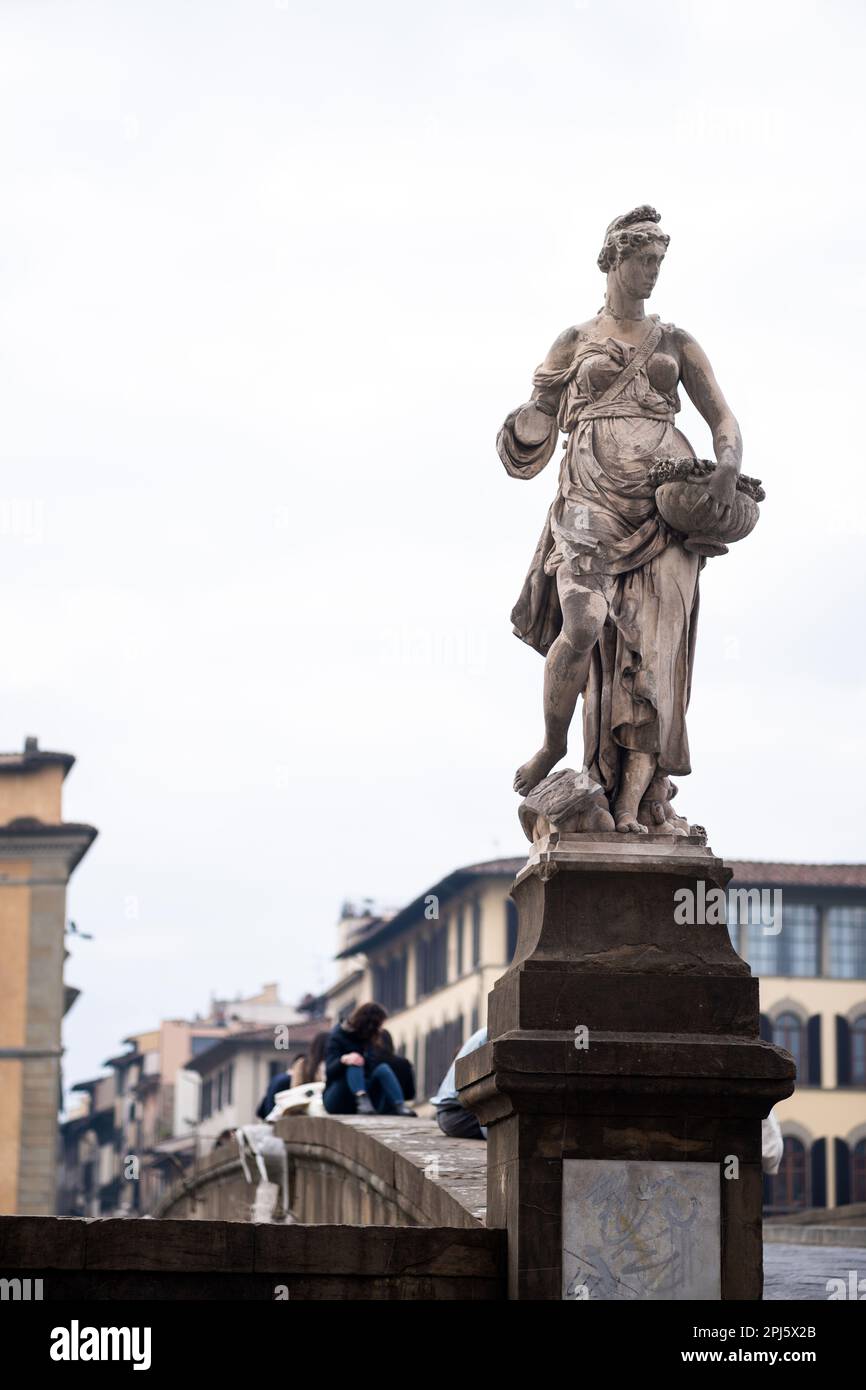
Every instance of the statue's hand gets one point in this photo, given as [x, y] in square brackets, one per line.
[718, 494]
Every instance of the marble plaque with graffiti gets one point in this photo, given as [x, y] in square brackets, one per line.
[640, 1230]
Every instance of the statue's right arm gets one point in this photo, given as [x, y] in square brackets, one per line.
[528, 437]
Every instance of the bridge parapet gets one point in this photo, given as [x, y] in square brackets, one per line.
[353, 1170]
[55, 1258]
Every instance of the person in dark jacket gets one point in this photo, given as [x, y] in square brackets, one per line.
[400, 1066]
[282, 1082]
[357, 1081]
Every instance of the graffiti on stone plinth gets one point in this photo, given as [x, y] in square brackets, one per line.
[635, 1230]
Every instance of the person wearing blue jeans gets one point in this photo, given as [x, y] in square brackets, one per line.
[379, 1087]
[356, 1081]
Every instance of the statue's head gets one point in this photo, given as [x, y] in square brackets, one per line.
[633, 251]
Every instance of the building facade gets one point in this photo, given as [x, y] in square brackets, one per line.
[138, 1127]
[38, 853]
[88, 1182]
[805, 937]
[801, 927]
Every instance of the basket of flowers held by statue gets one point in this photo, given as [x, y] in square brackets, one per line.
[680, 489]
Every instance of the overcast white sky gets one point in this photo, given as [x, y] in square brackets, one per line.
[272, 274]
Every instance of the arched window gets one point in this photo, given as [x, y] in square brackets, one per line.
[787, 1190]
[858, 1172]
[857, 1044]
[788, 1033]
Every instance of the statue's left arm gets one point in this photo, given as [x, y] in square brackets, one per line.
[704, 392]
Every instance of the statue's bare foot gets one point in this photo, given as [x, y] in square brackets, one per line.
[628, 823]
[535, 771]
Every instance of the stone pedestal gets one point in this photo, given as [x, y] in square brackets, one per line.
[625, 1081]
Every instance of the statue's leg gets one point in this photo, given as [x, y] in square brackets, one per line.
[664, 644]
[638, 770]
[566, 670]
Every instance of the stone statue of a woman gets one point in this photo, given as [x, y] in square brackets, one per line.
[611, 598]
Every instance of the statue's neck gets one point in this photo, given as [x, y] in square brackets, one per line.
[621, 305]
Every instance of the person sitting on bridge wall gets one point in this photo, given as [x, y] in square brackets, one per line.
[358, 1083]
[400, 1066]
[459, 1123]
[313, 1068]
[772, 1144]
[451, 1115]
[281, 1082]
[305, 1069]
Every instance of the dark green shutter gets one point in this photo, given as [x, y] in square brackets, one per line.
[819, 1173]
[843, 1052]
[813, 1050]
[843, 1172]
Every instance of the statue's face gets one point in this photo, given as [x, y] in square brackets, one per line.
[638, 273]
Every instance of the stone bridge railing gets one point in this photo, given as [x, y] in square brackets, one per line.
[349, 1169]
[60, 1259]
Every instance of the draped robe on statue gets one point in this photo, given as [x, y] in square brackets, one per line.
[616, 404]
